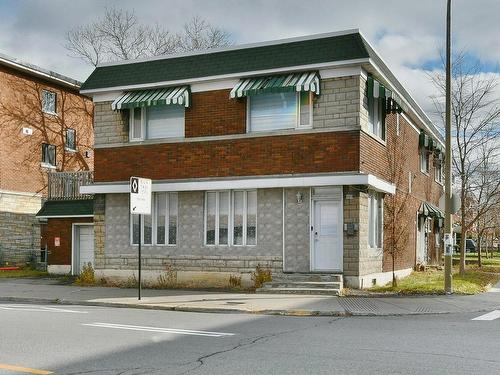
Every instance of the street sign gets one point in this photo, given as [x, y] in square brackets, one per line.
[140, 195]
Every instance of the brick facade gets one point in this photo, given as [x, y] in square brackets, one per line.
[281, 154]
[62, 228]
[213, 113]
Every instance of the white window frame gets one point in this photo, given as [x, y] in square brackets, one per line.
[44, 110]
[297, 115]
[377, 230]
[46, 164]
[131, 125]
[66, 140]
[154, 221]
[424, 160]
[378, 129]
[398, 124]
[230, 241]
[438, 173]
[144, 124]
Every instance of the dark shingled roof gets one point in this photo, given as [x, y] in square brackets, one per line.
[230, 61]
[77, 207]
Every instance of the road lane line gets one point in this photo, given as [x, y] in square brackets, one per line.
[495, 314]
[26, 370]
[159, 329]
[37, 308]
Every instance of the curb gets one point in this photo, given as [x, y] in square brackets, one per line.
[294, 313]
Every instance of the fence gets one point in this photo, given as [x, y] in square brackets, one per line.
[66, 185]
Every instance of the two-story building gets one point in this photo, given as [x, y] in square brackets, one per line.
[287, 154]
[45, 126]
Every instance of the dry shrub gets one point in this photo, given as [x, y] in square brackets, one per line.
[261, 276]
[87, 276]
[234, 281]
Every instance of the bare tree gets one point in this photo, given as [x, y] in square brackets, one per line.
[475, 121]
[119, 35]
[396, 205]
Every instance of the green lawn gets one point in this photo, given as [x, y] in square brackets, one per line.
[432, 282]
[22, 273]
[471, 258]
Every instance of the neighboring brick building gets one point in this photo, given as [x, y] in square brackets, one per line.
[45, 126]
[277, 154]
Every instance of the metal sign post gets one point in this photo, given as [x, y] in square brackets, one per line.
[140, 204]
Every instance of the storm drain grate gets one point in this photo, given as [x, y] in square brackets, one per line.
[358, 304]
[423, 309]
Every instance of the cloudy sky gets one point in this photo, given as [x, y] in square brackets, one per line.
[408, 34]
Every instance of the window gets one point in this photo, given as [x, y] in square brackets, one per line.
[398, 126]
[48, 155]
[49, 100]
[438, 172]
[376, 116]
[276, 111]
[424, 160]
[156, 122]
[159, 228]
[231, 218]
[375, 220]
[70, 140]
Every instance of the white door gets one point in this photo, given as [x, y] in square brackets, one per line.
[327, 236]
[85, 245]
[421, 241]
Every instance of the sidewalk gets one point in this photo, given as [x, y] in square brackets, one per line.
[49, 291]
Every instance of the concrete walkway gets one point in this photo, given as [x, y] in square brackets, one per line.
[50, 291]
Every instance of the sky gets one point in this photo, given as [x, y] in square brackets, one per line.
[408, 34]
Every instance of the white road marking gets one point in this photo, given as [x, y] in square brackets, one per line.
[38, 308]
[495, 314]
[159, 329]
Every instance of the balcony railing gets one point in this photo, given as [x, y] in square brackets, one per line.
[66, 185]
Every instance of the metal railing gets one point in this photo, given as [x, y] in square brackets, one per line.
[66, 185]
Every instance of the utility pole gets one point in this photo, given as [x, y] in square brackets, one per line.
[448, 219]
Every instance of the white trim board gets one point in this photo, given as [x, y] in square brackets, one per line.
[372, 181]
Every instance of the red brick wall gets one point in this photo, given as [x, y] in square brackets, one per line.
[405, 152]
[20, 106]
[284, 154]
[60, 227]
[214, 113]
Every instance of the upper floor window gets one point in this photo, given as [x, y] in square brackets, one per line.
[70, 140]
[376, 116]
[424, 160]
[231, 217]
[375, 219]
[48, 155]
[49, 100]
[276, 111]
[159, 228]
[166, 121]
[438, 172]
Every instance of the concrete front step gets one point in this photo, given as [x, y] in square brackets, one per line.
[329, 292]
[303, 284]
[312, 277]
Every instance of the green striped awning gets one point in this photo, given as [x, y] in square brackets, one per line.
[429, 210]
[308, 81]
[147, 98]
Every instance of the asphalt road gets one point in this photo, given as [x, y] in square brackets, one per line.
[43, 339]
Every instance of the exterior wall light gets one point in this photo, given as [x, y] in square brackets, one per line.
[300, 197]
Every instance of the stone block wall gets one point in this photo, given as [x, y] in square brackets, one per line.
[190, 253]
[297, 231]
[338, 105]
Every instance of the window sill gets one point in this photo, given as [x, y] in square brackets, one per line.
[69, 150]
[49, 113]
[425, 173]
[377, 138]
[48, 166]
